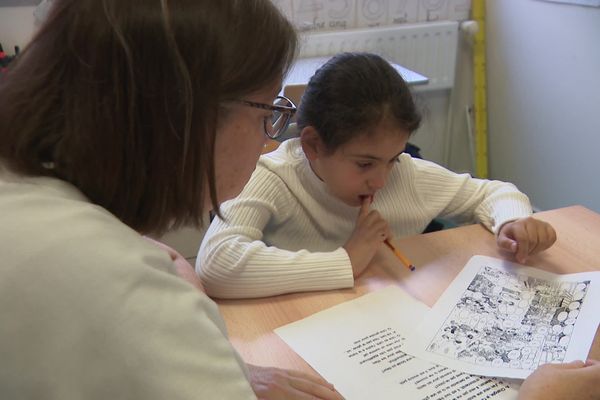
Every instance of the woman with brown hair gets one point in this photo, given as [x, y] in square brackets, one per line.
[122, 118]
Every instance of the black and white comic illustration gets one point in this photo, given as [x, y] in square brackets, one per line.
[511, 320]
[503, 319]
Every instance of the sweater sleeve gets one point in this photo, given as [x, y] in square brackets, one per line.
[235, 262]
[463, 198]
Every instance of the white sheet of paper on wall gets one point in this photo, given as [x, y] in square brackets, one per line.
[370, 13]
[324, 15]
[433, 10]
[403, 11]
[285, 6]
[459, 10]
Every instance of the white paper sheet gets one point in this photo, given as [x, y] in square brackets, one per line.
[359, 347]
[503, 319]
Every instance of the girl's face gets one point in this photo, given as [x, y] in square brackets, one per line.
[239, 143]
[360, 167]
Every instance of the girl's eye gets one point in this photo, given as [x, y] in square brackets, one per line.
[364, 165]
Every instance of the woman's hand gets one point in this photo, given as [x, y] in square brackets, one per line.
[525, 237]
[575, 380]
[183, 268]
[281, 384]
[369, 233]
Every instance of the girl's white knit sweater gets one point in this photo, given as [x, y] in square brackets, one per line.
[284, 233]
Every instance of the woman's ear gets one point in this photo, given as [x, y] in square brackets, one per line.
[311, 142]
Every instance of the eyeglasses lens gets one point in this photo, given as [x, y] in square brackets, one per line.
[279, 119]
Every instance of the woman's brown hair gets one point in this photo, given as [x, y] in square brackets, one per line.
[122, 98]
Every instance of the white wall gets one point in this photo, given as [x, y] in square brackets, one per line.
[430, 136]
[544, 100]
[17, 25]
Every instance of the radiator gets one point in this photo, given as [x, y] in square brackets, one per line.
[427, 48]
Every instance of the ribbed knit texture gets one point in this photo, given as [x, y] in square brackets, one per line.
[284, 233]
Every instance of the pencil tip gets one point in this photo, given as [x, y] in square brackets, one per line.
[412, 267]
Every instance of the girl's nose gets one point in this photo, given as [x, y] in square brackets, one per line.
[377, 181]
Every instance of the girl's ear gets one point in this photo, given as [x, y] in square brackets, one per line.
[311, 143]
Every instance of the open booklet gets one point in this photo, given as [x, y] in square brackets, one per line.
[359, 346]
[503, 319]
[495, 319]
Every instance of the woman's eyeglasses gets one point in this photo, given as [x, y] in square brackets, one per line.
[283, 109]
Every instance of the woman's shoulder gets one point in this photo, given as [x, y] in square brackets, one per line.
[58, 246]
[72, 270]
[49, 224]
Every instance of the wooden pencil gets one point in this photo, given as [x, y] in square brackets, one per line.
[400, 256]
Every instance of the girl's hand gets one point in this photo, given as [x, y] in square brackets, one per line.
[575, 380]
[369, 233]
[281, 384]
[525, 237]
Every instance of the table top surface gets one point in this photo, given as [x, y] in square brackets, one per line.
[438, 256]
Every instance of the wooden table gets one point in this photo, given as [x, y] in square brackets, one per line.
[439, 257]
